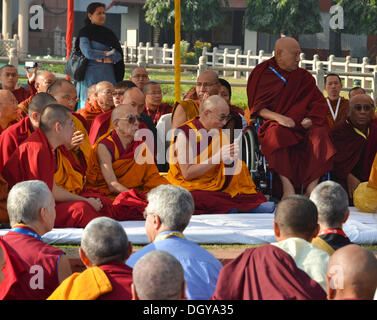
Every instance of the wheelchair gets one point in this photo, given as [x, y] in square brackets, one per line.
[255, 160]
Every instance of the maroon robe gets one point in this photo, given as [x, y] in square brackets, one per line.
[265, 273]
[22, 94]
[120, 276]
[34, 252]
[14, 269]
[13, 137]
[162, 109]
[100, 126]
[355, 154]
[298, 154]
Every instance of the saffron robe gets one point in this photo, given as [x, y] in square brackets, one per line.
[265, 273]
[24, 106]
[342, 112]
[298, 154]
[88, 285]
[220, 190]
[162, 109]
[191, 108]
[355, 151]
[134, 167]
[34, 252]
[35, 159]
[90, 112]
[111, 281]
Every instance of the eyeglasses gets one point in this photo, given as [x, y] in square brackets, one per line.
[132, 118]
[154, 93]
[205, 84]
[223, 117]
[118, 93]
[140, 76]
[366, 107]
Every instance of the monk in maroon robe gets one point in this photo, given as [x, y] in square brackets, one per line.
[35, 160]
[17, 133]
[356, 142]
[154, 107]
[294, 137]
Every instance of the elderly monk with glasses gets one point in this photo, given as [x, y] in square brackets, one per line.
[121, 166]
[356, 142]
[204, 162]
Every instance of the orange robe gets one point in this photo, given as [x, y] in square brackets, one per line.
[141, 177]
[191, 108]
[342, 112]
[221, 189]
[90, 112]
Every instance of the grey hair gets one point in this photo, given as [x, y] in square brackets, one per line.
[26, 199]
[104, 240]
[331, 201]
[174, 205]
[158, 276]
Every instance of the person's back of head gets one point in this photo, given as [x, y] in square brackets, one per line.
[296, 216]
[54, 88]
[174, 206]
[352, 274]
[158, 276]
[104, 241]
[52, 114]
[39, 102]
[26, 200]
[331, 201]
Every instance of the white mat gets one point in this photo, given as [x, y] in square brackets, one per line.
[254, 228]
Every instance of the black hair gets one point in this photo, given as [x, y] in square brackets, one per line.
[332, 75]
[92, 7]
[226, 84]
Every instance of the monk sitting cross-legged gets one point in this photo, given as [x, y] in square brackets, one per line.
[119, 163]
[35, 159]
[294, 137]
[201, 163]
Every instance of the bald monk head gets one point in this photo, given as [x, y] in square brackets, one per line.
[352, 274]
[104, 241]
[126, 121]
[104, 95]
[139, 76]
[8, 108]
[214, 113]
[64, 92]
[57, 124]
[2, 264]
[207, 85]
[91, 94]
[158, 276]
[43, 80]
[136, 98]
[37, 104]
[355, 91]
[361, 111]
[296, 216]
[287, 53]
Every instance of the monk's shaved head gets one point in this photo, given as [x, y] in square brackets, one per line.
[297, 216]
[287, 53]
[122, 111]
[52, 114]
[207, 85]
[158, 276]
[104, 240]
[214, 102]
[39, 102]
[356, 271]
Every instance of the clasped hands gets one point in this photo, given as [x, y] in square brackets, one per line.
[288, 122]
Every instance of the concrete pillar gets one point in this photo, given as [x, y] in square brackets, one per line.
[7, 19]
[23, 26]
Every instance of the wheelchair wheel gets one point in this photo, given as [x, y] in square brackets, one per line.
[250, 150]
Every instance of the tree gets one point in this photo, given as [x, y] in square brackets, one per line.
[289, 17]
[196, 14]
